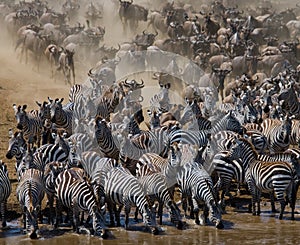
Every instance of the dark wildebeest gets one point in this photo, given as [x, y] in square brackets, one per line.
[132, 13]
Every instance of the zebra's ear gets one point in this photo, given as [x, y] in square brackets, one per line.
[10, 133]
[15, 108]
[37, 208]
[24, 108]
[38, 103]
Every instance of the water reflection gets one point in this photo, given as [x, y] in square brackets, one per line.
[240, 228]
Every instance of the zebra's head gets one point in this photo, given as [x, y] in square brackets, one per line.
[20, 115]
[55, 107]
[16, 144]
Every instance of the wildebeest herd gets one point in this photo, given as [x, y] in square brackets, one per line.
[237, 122]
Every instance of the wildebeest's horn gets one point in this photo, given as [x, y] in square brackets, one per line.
[202, 13]
[90, 74]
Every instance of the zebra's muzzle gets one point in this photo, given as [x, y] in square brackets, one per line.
[9, 155]
[19, 126]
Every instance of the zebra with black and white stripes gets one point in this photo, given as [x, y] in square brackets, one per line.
[277, 177]
[96, 168]
[123, 189]
[51, 172]
[290, 105]
[5, 191]
[105, 140]
[62, 116]
[30, 193]
[277, 133]
[196, 185]
[31, 125]
[156, 189]
[74, 192]
[267, 176]
[17, 146]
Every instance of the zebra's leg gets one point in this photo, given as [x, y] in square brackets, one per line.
[258, 195]
[184, 205]
[191, 204]
[196, 211]
[58, 214]
[136, 214]
[282, 207]
[160, 212]
[127, 211]
[272, 199]
[117, 214]
[111, 208]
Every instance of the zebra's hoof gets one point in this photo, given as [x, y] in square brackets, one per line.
[179, 225]
[220, 225]
[33, 235]
[154, 230]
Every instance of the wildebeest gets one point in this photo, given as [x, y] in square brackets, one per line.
[132, 13]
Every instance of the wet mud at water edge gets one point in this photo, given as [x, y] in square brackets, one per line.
[240, 227]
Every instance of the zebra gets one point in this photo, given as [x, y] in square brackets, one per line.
[30, 125]
[74, 192]
[84, 142]
[96, 168]
[196, 184]
[30, 193]
[123, 189]
[5, 191]
[161, 101]
[62, 116]
[267, 176]
[295, 134]
[105, 139]
[156, 189]
[290, 105]
[51, 172]
[16, 147]
[277, 133]
[277, 177]
[193, 111]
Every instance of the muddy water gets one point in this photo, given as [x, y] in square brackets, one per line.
[240, 228]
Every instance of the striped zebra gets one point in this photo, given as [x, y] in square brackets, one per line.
[277, 133]
[16, 147]
[96, 168]
[41, 157]
[277, 177]
[161, 101]
[30, 193]
[196, 184]
[83, 141]
[105, 139]
[51, 172]
[5, 191]
[31, 125]
[193, 111]
[123, 189]
[74, 192]
[156, 189]
[61, 115]
[295, 134]
[267, 176]
[290, 105]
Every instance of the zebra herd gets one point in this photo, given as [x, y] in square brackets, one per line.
[91, 158]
